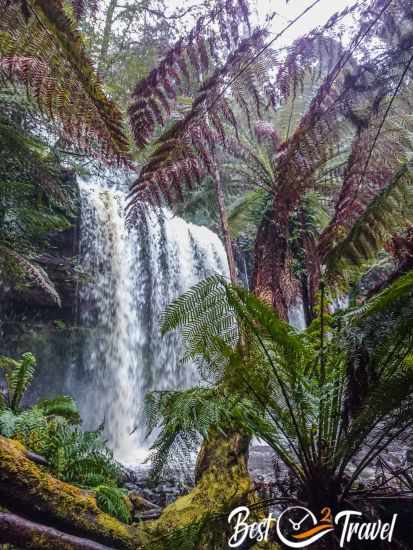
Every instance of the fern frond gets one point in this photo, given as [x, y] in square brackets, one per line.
[199, 133]
[184, 418]
[42, 51]
[19, 379]
[248, 210]
[112, 501]
[31, 429]
[35, 274]
[80, 457]
[63, 406]
[399, 292]
[155, 96]
[8, 421]
[81, 7]
[387, 214]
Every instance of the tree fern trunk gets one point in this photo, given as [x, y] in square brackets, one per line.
[225, 225]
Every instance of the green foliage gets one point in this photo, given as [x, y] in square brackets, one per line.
[183, 419]
[32, 429]
[112, 501]
[18, 376]
[50, 429]
[62, 406]
[388, 213]
[42, 51]
[80, 457]
[36, 196]
[299, 392]
[187, 538]
[247, 213]
[7, 423]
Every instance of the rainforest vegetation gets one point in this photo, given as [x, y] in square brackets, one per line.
[299, 155]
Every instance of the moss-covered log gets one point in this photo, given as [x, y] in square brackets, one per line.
[27, 489]
[24, 533]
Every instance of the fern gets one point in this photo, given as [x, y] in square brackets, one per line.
[18, 375]
[112, 501]
[388, 213]
[32, 429]
[62, 406]
[182, 419]
[189, 59]
[34, 273]
[294, 390]
[80, 457]
[41, 50]
[7, 422]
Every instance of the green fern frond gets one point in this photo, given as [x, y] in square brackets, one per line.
[63, 406]
[390, 212]
[7, 422]
[19, 375]
[81, 457]
[32, 430]
[186, 538]
[398, 293]
[184, 419]
[112, 501]
[248, 211]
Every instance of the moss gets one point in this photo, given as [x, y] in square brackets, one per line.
[22, 480]
[224, 484]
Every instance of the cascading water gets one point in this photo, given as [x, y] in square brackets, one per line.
[131, 276]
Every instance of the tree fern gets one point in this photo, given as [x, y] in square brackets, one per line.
[293, 390]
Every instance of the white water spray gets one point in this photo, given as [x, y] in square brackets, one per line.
[131, 277]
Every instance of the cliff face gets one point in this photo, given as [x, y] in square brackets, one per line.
[60, 261]
[30, 321]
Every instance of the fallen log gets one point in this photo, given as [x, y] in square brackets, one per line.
[29, 490]
[64, 510]
[24, 533]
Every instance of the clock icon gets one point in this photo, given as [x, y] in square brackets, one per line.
[297, 527]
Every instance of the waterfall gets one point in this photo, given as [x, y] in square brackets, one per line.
[129, 277]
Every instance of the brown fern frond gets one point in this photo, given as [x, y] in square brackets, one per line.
[191, 58]
[45, 54]
[81, 7]
[198, 134]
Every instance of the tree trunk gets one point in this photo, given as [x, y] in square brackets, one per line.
[107, 31]
[225, 225]
[24, 533]
[271, 272]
